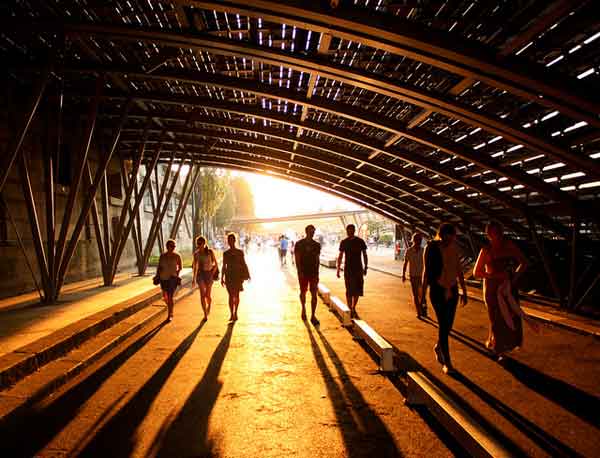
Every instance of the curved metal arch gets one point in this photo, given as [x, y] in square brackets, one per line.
[327, 186]
[352, 113]
[392, 168]
[317, 171]
[440, 49]
[343, 135]
[269, 172]
[311, 65]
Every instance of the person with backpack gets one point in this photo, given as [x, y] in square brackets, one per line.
[442, 274]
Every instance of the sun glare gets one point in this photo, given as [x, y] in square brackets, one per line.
[276, 197]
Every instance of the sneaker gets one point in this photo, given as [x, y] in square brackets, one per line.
[438, 355]
[448, 369]
[314, 321]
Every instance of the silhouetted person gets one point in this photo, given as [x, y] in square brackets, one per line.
[414, 259]
[353, 250]
[205, 268]
[283, 247]
[442, 273]
[233, 274]
[500, 265]
[169, 266]
[307, 252]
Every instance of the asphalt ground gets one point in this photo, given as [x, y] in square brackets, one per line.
[544, 399]
[269, 385]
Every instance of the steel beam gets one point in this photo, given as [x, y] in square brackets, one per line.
[34, 225]
[187, 191]
[143, 188]
[75, 185]
[320, 172]
[163, 211]
[89, 198]
[14, 147]
[547, 267]
[431, 46]
[366, 142]
[97, 229]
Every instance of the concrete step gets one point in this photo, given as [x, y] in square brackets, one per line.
[17, 400]
[466, 430]
[16, 365]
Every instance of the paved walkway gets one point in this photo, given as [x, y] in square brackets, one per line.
[545, 398]
[267, 386]
[23, 319]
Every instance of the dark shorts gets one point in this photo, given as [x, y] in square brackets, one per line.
[204, 276]
[308, 282]
[169, 286]
[354, 284]
[282, 253]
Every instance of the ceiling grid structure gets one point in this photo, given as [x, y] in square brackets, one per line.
[426, 111]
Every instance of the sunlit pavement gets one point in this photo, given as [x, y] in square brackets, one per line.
[545, 398]
[267, 386]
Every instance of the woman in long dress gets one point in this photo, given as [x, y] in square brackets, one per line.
[204, 267]
[233, 274]
[500, 264]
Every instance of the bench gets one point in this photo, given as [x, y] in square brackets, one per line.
[378, 344]
[327, 261]
[470, 434]
[325, 293]
[341, 309]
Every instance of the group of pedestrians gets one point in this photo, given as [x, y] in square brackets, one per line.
[437, 267]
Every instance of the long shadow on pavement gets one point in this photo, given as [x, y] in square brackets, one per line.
[187, 434]
[36, 430]
[576, 401]
[365, 435]
[545, 440]
[117, 437]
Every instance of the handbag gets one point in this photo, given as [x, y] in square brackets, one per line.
[156, 279]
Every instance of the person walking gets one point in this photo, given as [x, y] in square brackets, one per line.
[500, 265]
[204, 267]
[442, 273]
[413, 258]
[283, 247]
[233, 274]
[306, 253]
[353, 250]
[169, 266]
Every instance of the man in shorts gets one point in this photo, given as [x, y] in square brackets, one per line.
[306, 253]
[353, 248]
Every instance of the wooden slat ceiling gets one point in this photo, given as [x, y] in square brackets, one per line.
[423, 110]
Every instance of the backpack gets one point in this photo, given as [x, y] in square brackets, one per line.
[433, 261]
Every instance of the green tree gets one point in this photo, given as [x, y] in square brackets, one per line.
[226, 211]
[244, 199]
[211, 190]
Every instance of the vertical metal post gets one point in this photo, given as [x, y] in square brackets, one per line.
[97, 231]
[573, 270]
[105, 215]
[155, 209]
[14, 147]
[51, 156]
[87, 205]
[143, 188]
